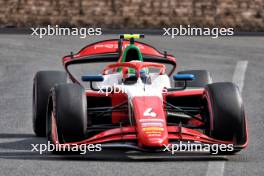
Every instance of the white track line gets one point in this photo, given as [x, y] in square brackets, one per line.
[217, 168]
[239, 74]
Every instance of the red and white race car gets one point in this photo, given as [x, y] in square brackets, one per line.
[135, 101]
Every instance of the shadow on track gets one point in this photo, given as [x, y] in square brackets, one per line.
[18, 146]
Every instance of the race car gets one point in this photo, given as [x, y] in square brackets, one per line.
[135, 102]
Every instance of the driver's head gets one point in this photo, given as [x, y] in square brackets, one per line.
[144, 75]
[131, 73]
[126, 70]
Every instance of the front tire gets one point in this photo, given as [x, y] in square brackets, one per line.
[227, 117]
[43, 82]
[69, 105]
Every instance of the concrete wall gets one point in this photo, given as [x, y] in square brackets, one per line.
[243, 15]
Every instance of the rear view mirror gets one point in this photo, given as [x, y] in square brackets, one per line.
[93, 78]
[183, 77]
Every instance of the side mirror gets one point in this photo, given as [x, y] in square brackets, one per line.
[93, 78]
[183, 77]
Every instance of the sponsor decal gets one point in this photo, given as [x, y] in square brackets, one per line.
[115, 46]
[152, 124]
[154, 134]
[151, 120]
[152, 129]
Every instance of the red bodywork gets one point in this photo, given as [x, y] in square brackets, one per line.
[148, 131]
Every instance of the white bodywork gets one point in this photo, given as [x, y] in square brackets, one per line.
[155, 88]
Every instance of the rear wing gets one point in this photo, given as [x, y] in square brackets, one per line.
[108, 51]
[111, 46]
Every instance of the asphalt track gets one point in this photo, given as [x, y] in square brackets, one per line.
[23, 55]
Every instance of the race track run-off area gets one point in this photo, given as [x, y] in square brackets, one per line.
[236, 59]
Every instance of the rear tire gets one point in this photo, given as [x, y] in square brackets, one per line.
[202, 78]
[69, 105]
[43, 82]
[227, 117]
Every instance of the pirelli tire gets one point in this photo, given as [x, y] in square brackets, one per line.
[68, 107]
[226, 114]
[42, 83]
